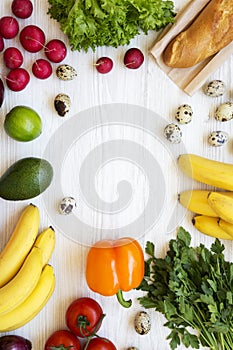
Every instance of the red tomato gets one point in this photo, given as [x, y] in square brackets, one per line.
[100, 344]
[62, 339]
[84, 317]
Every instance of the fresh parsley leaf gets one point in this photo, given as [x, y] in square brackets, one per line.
[193, 289]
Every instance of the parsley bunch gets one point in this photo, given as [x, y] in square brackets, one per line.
[93, 23]
[193, 288]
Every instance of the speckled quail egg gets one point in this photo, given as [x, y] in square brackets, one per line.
[218, 138]
[142, 323]
[66, 72]
[173, 133]
[67, 205]
[215, 88]
[62, 104]
[224, 112]
[184, 114]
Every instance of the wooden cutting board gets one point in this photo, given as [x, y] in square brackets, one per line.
[188, 79]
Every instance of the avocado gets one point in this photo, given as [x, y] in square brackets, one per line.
[25, 179]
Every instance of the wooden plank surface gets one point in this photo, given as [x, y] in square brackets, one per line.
[148, 87]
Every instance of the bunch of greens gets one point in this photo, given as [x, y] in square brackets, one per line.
[193, 288]
[93, 23]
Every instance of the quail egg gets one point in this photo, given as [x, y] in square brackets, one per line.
[215, 88]
[142, 323]
[132, 348]
[67, 205]
[62, 104]
[173, 133]
[66, 72]
[184, 114]
[224, 112]
[218, 138]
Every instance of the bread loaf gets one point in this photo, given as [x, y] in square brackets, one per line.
[208, 33]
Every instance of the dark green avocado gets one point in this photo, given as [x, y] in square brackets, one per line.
[25, 179]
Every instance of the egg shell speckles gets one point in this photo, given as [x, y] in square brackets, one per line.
[62, 104]
[142, 323]
[215, 88]
[184, 114]
[224, 112]
[173, 133]
[66, 72]
[67, 205]
[218, 138]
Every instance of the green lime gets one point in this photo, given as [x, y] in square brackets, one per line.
[23, 124]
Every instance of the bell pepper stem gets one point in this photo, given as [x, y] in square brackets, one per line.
[122, 301]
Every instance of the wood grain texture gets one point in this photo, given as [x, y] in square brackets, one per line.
[148, 87]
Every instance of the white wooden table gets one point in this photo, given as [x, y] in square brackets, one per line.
[147, 87]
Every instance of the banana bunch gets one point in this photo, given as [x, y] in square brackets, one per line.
[27, 281]
[214, 209]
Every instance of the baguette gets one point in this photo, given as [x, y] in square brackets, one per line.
[208, 33]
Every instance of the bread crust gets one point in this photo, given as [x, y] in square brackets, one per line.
[209, 32]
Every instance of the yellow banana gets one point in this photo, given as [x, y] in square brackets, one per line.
[196, 201]
[18, 289]
[34, 303]
[19, 244]
[209, 226]
[222, 205]
[208, 171]
[46, 242]
[226, 226]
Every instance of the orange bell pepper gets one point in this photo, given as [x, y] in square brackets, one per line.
[114, 266]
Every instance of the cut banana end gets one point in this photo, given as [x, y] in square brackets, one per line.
[26, 311]
[210, 227]
[222, 205]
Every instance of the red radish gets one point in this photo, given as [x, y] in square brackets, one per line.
[22, 8]
[104, 65]
[2, 45]
[133, 58]
[12, 58]
[42, 69]
[17, 79]
[55, 50]
[32, 38]
[9, 27]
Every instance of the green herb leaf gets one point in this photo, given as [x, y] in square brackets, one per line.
[193, 289]
[94, 23]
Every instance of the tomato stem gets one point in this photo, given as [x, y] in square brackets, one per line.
[92, 334]
[122, 301]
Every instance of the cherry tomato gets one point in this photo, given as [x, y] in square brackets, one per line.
[100, 344]
[84, 317]
[63, 340]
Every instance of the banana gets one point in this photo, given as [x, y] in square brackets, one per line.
[18, 289]
[46, 242]
[34, 303]
[208, 171]
[209, 226]
[19, 244]
[222, 205]
[197, 201]
[226, 226]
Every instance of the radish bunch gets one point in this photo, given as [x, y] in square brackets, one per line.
[33, 40]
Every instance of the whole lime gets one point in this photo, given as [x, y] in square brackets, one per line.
[22, 123]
